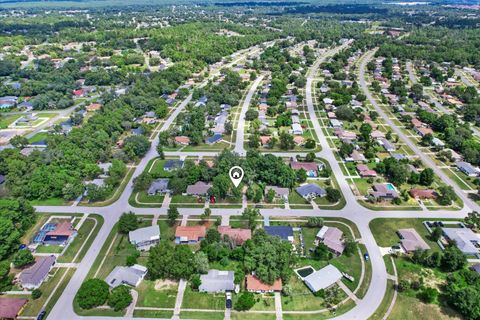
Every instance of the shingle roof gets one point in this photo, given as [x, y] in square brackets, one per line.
[126, 275]
[323, 278]
[217, 281]
[144, 234]
[311, 188]
[35, 275]
[11, 307]
[237, 234]
[199, 188]
[255, 284]
[188, 233]
[411, 240]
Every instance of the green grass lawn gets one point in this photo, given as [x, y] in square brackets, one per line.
[49, 249]
[155, 167]
[38, 137]
[201, 315]
[49, 202]
[166, 231]
[85, 236]
[302, 299]
[153, 314]
[202, 300]
[385, 231]
[5, 121]
[411, 308]
[148, 296]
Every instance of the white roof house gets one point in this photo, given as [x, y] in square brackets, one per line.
[144, 238]
[323, 278]
[131, 276]
[217, 281]
[297, 128]
[465, 239]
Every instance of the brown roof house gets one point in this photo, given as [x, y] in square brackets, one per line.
[183, 140]
[332, 238]
[384, 191]
[310, 167]
[10, 308]
[423, 193]
[237, 235]
[411, 240]
[254, 284]
[189, 234]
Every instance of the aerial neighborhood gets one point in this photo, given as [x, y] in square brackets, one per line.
[239, 160]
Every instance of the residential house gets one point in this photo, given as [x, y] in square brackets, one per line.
[264, 140]
[216, 281]
[131, 276]
[189, 234]
[365, 171]
[356, 156]
[10, 308]
[183, 140]
[158, 186]
[61, 234]
[467, 168]
[375, 134]
[332, 238]
[335, 123]
[323, 278]
[200, 188]
[475, 267]
[345, 136]
[411, 240]
[423, 193]
[213, 139]
[384, 191]
[299, 140]
[465, 239]
[438, 143]
[281, 193]
[33, 277]
[145, 238]
[237, 235]
[171, 165]
[422, 131]
[105, 167]
[283, 232]
[327, 101]
[254, 284]
[387, 145]
[93, 107]
[311, 191]
[297, 129]
[310, 167]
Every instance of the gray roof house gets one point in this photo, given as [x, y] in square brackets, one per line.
[467, 168]
[33, 277]
[387, 145]
[475, 267]
[332, 238]
[131, 276]
[217, 281]
[144, 238]
[171, 165]
[200, 188]
[279, 192]
[466, 240]
[384, 191]
[411, 240]
[213, 139]
[323, 278]
[158, 186]
[311, 191]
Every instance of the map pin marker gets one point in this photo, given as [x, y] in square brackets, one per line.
[236, 175]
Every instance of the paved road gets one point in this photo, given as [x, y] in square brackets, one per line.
[411, 73]
[353, 211]
[425, 159]
[239, 148]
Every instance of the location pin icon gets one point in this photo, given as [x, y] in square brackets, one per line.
[236, 175]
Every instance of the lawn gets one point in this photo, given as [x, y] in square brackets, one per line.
[148, 296]
[85, 237]
[49, 202]
[384, 230]
[302, 299]
[153, 314]
[38, 137]
[202, 315]
[386, 301]
[49, 249]
[166, 231]
[155, 167]
[202, 300]
[5, 121]
[411, 308]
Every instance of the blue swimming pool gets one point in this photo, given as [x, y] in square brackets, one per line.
[390, 187]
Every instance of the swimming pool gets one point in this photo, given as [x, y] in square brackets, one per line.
[305, 271]
[391, 187]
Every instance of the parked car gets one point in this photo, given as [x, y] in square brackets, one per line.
[366, 256]
[228, 303]
[41, 315]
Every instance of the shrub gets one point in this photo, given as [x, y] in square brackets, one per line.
[92, 293]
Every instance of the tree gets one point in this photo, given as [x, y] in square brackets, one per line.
[245, 301]
[36, 293]
[427, 139]
[270, 196]
[128, 222]
[427, 176]
[447, 195]
[333, 195]
[286, 141]
[310, 157]
[142, 182]
[167, 261]
[136, 146]
[473, 220]
[322, 252]
[251, 215]
[196, 282]
[201, 262]
[22, 258]
[350, 247]
[315, 222]
[301, 175]
[172, 214]
[160, 152]
[365, 131]
[5, 276]
[453, 259]
[120, 298]
[436, 234]
[206, 214]
[92, 293]
[428, 295]
[19, 141]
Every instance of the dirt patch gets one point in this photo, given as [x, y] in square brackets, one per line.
[164, 284]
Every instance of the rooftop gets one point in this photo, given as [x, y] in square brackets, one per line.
[323, 278]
